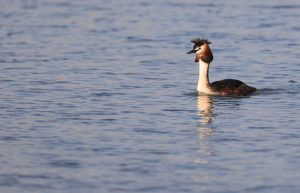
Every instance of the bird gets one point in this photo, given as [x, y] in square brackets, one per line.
[226, 87]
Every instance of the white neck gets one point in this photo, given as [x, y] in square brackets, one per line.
[203, 82]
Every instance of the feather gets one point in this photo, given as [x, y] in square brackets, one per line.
[200, 41]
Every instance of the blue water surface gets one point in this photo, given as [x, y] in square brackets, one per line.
[99, 96]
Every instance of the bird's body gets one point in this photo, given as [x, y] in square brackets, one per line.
[232, 87]
[226, 87]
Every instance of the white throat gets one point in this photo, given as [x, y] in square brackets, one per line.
[203, 82]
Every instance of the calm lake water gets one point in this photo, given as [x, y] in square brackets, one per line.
[99, 96]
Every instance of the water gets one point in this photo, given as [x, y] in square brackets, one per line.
[99, 96]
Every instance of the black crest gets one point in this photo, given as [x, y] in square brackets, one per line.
[200, 41]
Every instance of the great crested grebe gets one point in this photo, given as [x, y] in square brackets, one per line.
[227, 87]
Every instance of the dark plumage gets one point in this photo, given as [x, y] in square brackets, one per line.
[231, 87]
[200, 41]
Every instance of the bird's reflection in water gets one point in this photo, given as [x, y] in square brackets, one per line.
[205, 130]
[204, 105]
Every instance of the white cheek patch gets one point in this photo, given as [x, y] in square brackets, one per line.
[198, 49]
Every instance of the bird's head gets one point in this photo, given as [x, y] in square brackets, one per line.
[202, 50]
